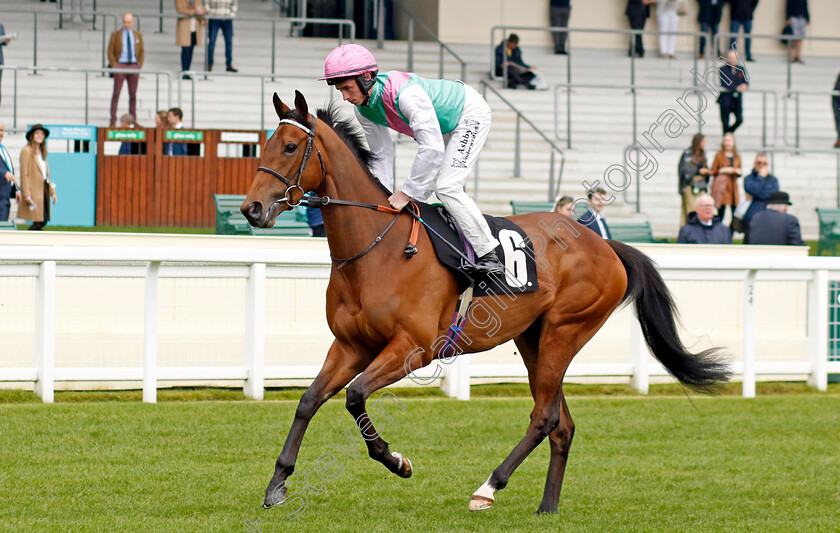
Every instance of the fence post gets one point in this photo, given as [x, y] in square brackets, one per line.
[150, 316]
[255, 332]
[748, 331]
[410, 61]
[516, 155]
[639, 357]
[45, 332]
[35, 41]
[456, 378]
[818, 330]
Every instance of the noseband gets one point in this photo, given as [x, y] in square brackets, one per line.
[294, 182]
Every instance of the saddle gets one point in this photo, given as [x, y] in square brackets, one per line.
[515, 252]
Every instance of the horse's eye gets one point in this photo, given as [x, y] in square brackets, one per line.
[291, 147]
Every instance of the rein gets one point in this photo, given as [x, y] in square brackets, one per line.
[320, 201]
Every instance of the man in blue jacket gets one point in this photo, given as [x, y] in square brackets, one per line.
[759, 185]
[592, 219]
[518, 72]
[703, 227]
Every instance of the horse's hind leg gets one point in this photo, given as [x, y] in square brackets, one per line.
[561, 441]
[342, 365]
[546, 360]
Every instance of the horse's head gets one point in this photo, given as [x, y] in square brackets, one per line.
[285, 172]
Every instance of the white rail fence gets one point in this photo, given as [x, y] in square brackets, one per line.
[255, 266]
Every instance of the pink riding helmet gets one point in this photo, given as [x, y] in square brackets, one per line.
[347, 61]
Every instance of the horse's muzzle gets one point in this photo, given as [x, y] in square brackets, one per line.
[254, 212]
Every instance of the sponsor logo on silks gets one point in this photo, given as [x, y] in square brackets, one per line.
[466, 143]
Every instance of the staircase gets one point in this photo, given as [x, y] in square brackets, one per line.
[601, 121]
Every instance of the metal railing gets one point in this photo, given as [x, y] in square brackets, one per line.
[794, 95]
[632, 89]
[87, 72]
[777, 37]
[412, 20]
[195, 74]
[696, 36]
[552, 186]
[36, 13]
[273, 22]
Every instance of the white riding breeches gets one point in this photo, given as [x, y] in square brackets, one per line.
[462, 151]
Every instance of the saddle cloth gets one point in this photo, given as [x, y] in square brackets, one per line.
[515, 252]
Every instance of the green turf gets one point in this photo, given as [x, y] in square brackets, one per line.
[637, 464]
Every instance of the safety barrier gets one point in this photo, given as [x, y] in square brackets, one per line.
[290, 261]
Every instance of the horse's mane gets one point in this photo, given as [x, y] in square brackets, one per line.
[349, 132]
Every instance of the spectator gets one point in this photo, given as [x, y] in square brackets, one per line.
[774, 225]
[8, 185]
[733, 83]
[693, 175]
[162, 124]
[36, 189]
[125, 50]
[835, 104]
[592, 219]
[127, 122]
[189, 28]
[709, 18]
[162, 119]
[741, 15]
[798, 18]
[564, 205]
[726, 168]
[558, 14]
[758, 186]
[220, 15]
[668, 18]
[509, 55]
[703, 227]
[4, 40]
[637, 12]
[174, 117]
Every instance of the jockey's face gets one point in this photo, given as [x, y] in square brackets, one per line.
[350, 91]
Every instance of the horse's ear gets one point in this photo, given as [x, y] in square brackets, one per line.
[279, 106]
[301, 106]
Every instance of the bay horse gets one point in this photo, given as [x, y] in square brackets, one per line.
[383, 305]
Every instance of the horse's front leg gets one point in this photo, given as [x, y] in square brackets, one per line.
[342, 364]
[389, 367]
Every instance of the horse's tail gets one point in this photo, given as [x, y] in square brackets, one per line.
[657, 315]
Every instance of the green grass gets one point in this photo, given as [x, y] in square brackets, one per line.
[637, 464]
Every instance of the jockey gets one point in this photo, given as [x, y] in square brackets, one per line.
[426, 110]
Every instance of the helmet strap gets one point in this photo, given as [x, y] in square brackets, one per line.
[365, 86]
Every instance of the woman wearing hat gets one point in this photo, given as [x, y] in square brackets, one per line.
[35, 186]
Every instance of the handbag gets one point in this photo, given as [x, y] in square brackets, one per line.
[786, 32]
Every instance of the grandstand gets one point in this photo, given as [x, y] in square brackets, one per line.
[601, 121]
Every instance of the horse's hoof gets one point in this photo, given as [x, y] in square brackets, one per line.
[479, 503]
[274, 496]
[404, 469]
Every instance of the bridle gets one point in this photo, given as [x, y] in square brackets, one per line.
[294, 182]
